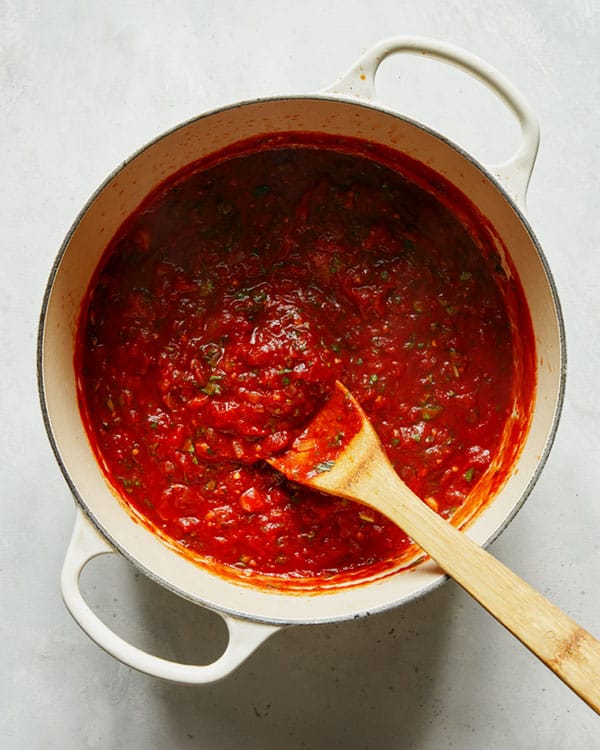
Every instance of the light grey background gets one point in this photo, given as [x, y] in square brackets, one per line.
[83, 85]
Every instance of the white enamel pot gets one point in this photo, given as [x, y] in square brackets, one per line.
[103, 524]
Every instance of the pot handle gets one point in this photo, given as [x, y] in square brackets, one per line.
[515, 173]
[244, 636]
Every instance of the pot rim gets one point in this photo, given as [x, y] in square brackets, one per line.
[332, 98]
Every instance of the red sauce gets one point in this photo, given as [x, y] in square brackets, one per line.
[228, 304]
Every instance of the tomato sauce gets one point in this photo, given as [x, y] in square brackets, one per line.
[229, 303]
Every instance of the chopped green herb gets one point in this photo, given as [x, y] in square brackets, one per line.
[430, 412]
[469, 474]
[336, 441]
[261, 190]
[324, 466]
[212, 388]
[206, 288]
[188, 446]
[211, 353]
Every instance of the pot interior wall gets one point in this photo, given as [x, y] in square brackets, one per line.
[124, 191]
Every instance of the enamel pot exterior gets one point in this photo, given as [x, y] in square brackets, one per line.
[104, 524]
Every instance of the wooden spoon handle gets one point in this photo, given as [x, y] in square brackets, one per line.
[563, 645]
[363, 473]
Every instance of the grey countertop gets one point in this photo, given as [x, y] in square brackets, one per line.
[82, 86]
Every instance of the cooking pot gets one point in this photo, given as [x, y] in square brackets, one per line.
[103, 524]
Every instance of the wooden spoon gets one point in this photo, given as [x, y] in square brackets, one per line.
[356, 467]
